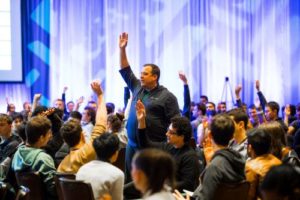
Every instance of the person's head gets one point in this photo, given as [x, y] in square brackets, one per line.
[271, 111]
[71, 132]
[298, 111]
[75, 115]
[275, 130]
[179, 132]
[26, 106]
[59, 104]
[21, 131]
[222, 108]
[259, 143]
[107, 147]
[5, 125]
[17, 120]
[88, 115]
[199, 110]
[282, 182]
[152, 169]
[70, 106]
[240, 119]
[252, 112]
[114, 123]
[203, 99]
[38, 131]
[210, 106]
[150, 76]
[38, 110]
[110, 107]
[222, 129]
[92, 104]
[11, 108]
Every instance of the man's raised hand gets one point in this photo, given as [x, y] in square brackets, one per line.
[96, 87]
[123, 39]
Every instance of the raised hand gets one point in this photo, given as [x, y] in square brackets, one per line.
[65, 89]
[238, 89]
[80, 100]
[182, 77]
[257, 85]
[123, 39]
[37, 97]
[96, 87]
[140, 110]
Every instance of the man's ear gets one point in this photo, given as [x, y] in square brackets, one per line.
[241, 124]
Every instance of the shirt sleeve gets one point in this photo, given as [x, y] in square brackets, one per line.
[130, 79]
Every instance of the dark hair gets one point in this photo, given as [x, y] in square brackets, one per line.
[56, 120]
[202, 108]
[36, 127]
[106, 145]
[284, 181]
[204, 97]
[7, 118]
[38, 110]
[252, 106]
[110, 107]
[260, 141]
[183, 127]
[115, 122]
[239, 115]
[273, 106]
[76, 115]
[275, 130]
[24, 104]
[155, 70]
[21, 131]
[70, 102]
[91, 113]
[158, 166]
[212, 103]
[17, 115]
[222, 129]
[298, 107]
[71, 132]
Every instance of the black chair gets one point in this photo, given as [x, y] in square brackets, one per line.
[74, 189]
[120, 162]
[237, 191]
[62, 175]
[23, 193]
[3, 190]
[33, 182]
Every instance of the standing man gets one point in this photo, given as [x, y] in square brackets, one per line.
[161, 105]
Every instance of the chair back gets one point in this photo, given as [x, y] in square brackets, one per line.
[74, 189]
[23, 193]
[33, 182]
[62, 175]
[237, 191]
[120, 162]
[3, 190]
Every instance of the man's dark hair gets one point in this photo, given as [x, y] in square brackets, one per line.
[92, 113]
[273, 106]
[110, 107]
[212, 103]
[183, 127]
[260, 141]
[155, 70]
[106, 146]
[17, 115]
[75, 115]
[204, 97]
[7, 118]
[252, 106]
[38, 110]
[70, 102]
[115, 122]
[283, 181]
[36, 127]
[238, 115]
[222, 129]
[71, 132]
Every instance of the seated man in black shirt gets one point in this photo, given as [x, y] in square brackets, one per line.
[178, 137]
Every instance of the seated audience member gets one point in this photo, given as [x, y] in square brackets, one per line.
[198, 113]
[222, 108]
[75, 115]
[203, 99]
[280, 183]
[81, 151]
[31, 157]
[17, 121]
[153, 174]
[239, 141]
[101, 174]
[227, 166]
[88, 122]
[115, 126]
[26, 110]
[253, 116]
[9, 144]
[288, 113]
[259, 145]
[295, 125]
[178, 137]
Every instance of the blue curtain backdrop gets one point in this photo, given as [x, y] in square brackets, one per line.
[209, 40]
